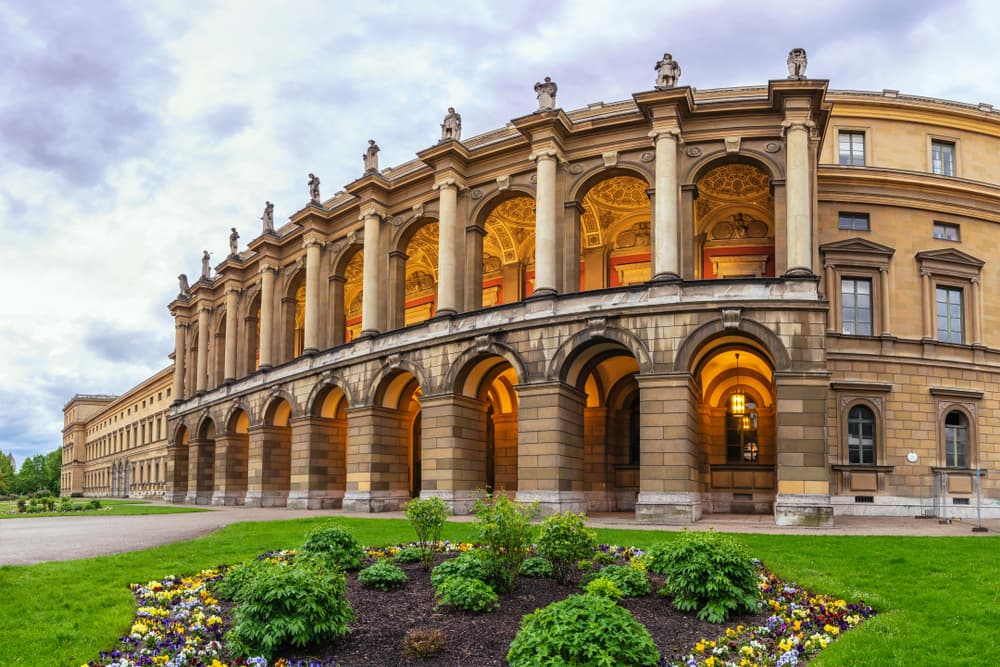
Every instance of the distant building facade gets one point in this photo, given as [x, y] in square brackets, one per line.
[775, 299]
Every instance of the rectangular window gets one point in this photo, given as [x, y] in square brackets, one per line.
[856, 306]
[946, 231]
[852, 148]
[943, 158]
[855, 222]
[949, 314]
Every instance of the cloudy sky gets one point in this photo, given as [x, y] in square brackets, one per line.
[133, 135]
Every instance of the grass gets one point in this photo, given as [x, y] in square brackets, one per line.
[939, 598]
[108, 508]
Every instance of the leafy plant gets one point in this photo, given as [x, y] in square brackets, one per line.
[298, 604]
[335, 546]
[408, 555]
[563, 540]
[383, 575]
[605, 587]
[504, 529]
[584, 630]
[632, 581]
[708, 572]
[421, 643]
[537, 568]
[466, 594]
[603, 558]
[237, 578]
[427, 516]
[468, 565]
[94, 504]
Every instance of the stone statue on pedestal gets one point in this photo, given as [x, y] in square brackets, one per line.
[668, 71]
[371, 157]
[268, 218]
[185, 292]
[234, 243]
[451, 128]
[546, 93]
[206, 270]
[314, 188]
[797, 64]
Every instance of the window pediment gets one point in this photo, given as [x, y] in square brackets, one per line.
[949, 257]
[857, 245]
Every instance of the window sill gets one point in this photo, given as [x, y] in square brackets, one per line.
[970, 472]
[861, 467]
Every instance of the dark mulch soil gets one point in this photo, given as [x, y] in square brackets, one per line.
[481, 640]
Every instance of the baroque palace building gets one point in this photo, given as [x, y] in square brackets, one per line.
[773, 299]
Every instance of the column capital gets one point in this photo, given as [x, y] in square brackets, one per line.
[545, 154]
[449, 181]
[266, 267]
[181, 326]
[804, 124]
[234, 290]
[371, 209]
[312, 241]
[665, 132]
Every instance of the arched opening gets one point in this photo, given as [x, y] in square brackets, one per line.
[509, 251]
[737, 415]
[234, 456]
[734, 222]
[420, 275]
[201, 461]
[219, 353]
[605, 372]
[398, 462]
[293, 309]
[326, 479]
[252, 337]
[353, 296]
[276, 457]
[491, 455]
[177, 469]
[615, 233]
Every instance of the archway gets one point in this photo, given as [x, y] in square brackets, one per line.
[177, 470]
[508, 257]
[319, 452]
[353, 296]
[233, 455]
[251, 358]
[734, 222]
[397, 460]
[488, 383]
[201, 464]
[293, 317]
[270, 471]
[615, 233]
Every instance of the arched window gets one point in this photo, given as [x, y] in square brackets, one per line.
[861, 435]
[956, 440]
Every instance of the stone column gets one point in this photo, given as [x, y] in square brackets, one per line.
[666, 258]
[201, 382]
[377, 460]
[884, 292]
[370, 280]
[232, 335]
[180, 333]
[447, 303]
[546, 256]
[310, 337]
[317, 463]
[798, 198]
[550, 446]
[453, 449]
[230, 487]
[201, 471]
[669, 488]
[269, 465]
[266, 315]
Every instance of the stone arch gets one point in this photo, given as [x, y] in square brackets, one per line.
[402, 235]
[273, 402]
[233, 413]
[688, 351]
[388, 371]
[347, 289]
[559, 366]
[764, 161]
[319, 391]
[458, 370]
[501, 247]
[181, 435]
[482, 209]
[206, 426]
[589, 178]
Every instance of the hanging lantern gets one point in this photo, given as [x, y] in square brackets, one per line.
[750, 451]
[745, 423]
[738, 401]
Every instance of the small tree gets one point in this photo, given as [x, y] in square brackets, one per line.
[505, 532]
[427, 516]
[564, 539]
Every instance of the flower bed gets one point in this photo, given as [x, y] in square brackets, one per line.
[180, 624]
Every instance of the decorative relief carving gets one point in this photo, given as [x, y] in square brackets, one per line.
[576, 169]
[739, 226]
[534, 178]
[503, 183]
[477, 194]
[732, 144]
[491, 264]
[482, 343]
[772, 147]
[693, 151]
[647, 156]
[610, 158]
[731, 318]
[597, 326]
[394, 361]
[638, 235]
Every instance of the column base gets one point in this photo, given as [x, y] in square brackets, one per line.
[315, 500]
[266, 499]
[368, 333]
[806, 510]
[667, 277]
[543, 293]
[174, 498]
[227, 499]
[459, 502]
[798, 272]
[675, 509]
[444, 313]
[374, 502]
[599, 501]
[550, 502]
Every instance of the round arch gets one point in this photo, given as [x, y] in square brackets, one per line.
[402, 236]
[206, 427]
[695, 345]
[482, 210]
[327, 383]
[763, 161]
[385, 375]
[462, 369]
[592, 177]
[233, 417]
[182, 434]
[566, 363]
[273, 407]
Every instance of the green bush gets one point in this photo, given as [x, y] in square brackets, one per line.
[65, 504]
[94, 504]
[408, 555]
[631, 581]
[383, 575]
[563, 540]
[603, 558]
[605, 587]
[584, 630]
[466, 594]
[232, 585]
[285, 603]
[21, 506]
[536, 567]
[427, 516]
[468, 565]
[504, 530]
[708, 572]
[335, 546]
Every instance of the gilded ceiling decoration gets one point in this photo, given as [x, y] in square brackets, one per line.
[731, 184]
[739, 226]
[608, 202]
[635, 237]
[508, 227]
[353, 276]
[422, 262]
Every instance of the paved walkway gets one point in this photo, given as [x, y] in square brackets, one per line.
[27, 541]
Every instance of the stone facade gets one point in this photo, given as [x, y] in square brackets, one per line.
[744, 300]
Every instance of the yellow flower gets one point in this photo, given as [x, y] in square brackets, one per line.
[831, 629]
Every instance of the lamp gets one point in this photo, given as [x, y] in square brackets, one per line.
[738, 401]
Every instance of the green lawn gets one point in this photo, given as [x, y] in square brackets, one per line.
[110, 507]
[939, 598]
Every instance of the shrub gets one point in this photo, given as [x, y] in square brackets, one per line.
[563, 540]
[536, 567]
[232, 585]
[335, 546]
[297, 603]
[585, 630]
[65, 504]
[605, 587]
[585, 566]
[420, 643]
[427, 516]
[383, 575]
[408, 555]
[21, 506]
[603, 558]
[94, 504]
[504, 529]
[632, 582]
[466, 594]
[708, 572]
[468, 565]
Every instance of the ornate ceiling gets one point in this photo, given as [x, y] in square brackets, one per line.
[735, 185]
[607, 204]
[422, 260]
[510, 233]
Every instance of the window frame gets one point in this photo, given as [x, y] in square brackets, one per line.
[952, 268]
[853, 131]
[933, 142]
[861, 446]
[853, 216]
[872, 285]
[943, 225]
[965, 401]
[949, 288]
[856, 258]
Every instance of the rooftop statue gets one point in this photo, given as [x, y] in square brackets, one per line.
[268, 218]
[185, 292]
[234, 243]
[371, 157]
[546, 92]
[668, 71]
[797, 64]
[451, 128]
[206, 270]
[314, 188]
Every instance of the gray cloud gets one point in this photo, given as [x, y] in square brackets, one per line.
[227, 120]
[111, 342]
